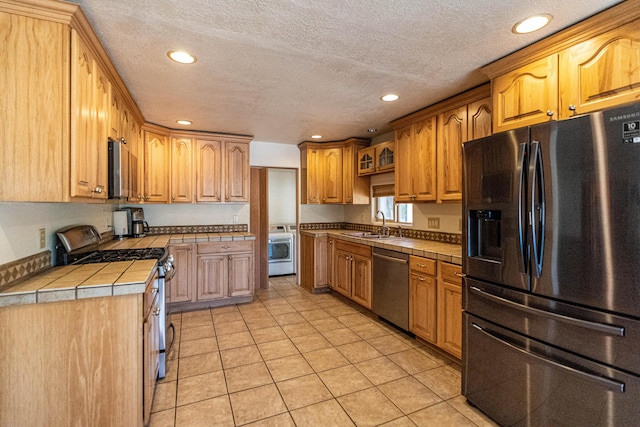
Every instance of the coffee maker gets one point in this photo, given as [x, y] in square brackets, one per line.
[136, 224]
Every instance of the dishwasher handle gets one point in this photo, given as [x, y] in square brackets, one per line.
[389, 258]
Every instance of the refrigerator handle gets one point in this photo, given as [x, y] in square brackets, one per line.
[536, 214]
[522, 209]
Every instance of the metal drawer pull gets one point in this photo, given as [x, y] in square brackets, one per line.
[609, 383]
[594, 326]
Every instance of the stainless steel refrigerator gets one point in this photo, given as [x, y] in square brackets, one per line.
[551, 254]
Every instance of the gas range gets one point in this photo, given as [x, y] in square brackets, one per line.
[116, 255]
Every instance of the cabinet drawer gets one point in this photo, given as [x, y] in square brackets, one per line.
[422, 265]
[449, 273]
[225, 247]
[353, 248]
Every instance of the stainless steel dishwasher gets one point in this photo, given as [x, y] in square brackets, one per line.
[391, 286]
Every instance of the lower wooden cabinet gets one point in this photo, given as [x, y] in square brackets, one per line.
[150, 346]
[352, 272]
[314, 270]
[212, 273]
[435, 303]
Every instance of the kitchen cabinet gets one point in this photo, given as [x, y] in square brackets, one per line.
[423, 300]
[527, 95]
[89, 123]
[157, 152]
[456, 126]
[378, 158]
[589, 66]
[55, 112]
[601, 72]
[314, 273]
[415, 176]
[182, 170]
[450, 308]
[352, 272]
[181, 286]
[429, 146]
[151, 345]
[329, 172]
[236, 161]
[210, 274]
[222, 170]
[83, 362]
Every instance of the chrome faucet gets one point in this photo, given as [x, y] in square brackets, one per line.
[384, 230]
[400, 231]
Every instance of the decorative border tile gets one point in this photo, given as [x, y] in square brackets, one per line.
[182, 229]
[22, 269]
[434, 236]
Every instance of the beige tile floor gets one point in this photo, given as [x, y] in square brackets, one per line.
[291, 358]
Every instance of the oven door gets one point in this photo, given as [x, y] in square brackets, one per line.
[280, 255]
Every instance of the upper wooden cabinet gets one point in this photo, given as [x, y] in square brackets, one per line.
[157, 152]
[455, 127]
[602, 72]
[329, 172]
[182, 170]
[415, 176]
[526, 96]
[55, 113]
[376, 159]
[589, 66]
[208, 166]
[236, 177]
[89, 122]
[429, 146]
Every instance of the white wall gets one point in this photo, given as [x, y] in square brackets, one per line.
[269, 154]
[282, 196]
[196, 214]
[20, 224]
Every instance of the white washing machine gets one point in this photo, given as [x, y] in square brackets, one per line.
[281, 250]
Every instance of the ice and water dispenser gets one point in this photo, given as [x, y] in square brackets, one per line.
[485, 234]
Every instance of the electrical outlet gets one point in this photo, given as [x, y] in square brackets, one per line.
[433, 223]
[235, 219]
[42, 238]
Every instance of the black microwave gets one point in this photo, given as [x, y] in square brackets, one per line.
[119, 169]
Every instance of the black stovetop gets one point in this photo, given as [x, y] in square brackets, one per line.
[122, 255]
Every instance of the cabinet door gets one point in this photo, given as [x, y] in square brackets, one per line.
[366, 161]
[452, 132]
[342, 273]
[307, 262]
[403, 178]
[602, 72]
[524, 96]
[361, 280]
[156, 168]
[423, 160]
[209, 171]
[83, 145]
[331, 254]
[182, 284]
[479, 119]
[241, 274]
[422, 306]
[102, 99]
[313, 176]
[450, 318]
[181, 170]
[212, 277]
[237, 172]
[332, 175]
[384, 157]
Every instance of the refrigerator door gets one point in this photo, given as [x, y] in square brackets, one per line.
[494, 208]
[589, 235]
[540, 385]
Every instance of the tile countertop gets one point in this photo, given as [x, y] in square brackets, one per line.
[425, 248]
[103, 279]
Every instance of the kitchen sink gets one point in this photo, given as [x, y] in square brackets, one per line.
[365, 235]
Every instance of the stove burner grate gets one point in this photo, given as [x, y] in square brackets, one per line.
[122, 255]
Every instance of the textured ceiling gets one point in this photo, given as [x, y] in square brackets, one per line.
[282, 70]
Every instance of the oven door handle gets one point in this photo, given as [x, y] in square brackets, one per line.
[168, 275]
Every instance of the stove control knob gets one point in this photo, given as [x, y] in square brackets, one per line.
[170, 259]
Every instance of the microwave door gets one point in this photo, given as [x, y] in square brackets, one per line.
[494, 208]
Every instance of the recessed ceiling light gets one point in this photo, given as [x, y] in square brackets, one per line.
[372, 130]
[181, 57]
[532, 23]
[316, 136]
[184, 122]
[390, 97]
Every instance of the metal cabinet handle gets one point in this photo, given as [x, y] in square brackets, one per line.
[549, 113]
[419, 264]
[572, 107]
[460, 274]
[156, 311]
[422, 279]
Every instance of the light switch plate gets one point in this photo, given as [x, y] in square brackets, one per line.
[42, 238]
[433, 223]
